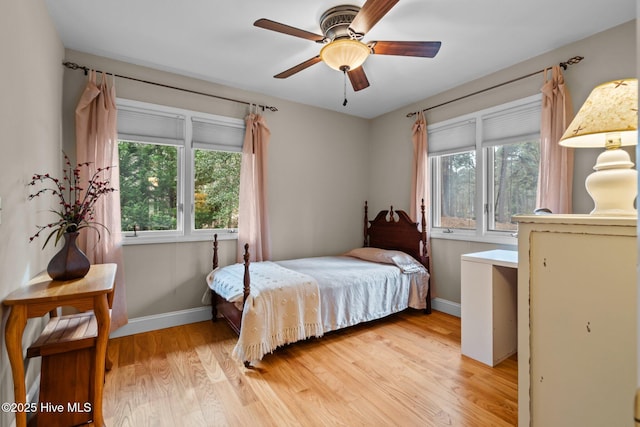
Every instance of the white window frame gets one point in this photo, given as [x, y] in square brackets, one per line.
[185, 221]
[483, 204]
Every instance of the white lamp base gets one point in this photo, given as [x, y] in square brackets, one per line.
[614, 184]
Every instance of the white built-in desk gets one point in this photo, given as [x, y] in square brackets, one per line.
[489, 299]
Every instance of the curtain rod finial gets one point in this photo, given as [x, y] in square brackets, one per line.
[571, 61]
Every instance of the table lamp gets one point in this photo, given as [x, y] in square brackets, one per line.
[609, 119]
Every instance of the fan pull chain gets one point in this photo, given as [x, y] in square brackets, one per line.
[344, 73]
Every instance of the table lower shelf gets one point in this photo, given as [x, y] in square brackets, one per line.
[67, 347]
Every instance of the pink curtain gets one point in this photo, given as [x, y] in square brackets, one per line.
[97, 143]
[420, 181]
[555, 177]
[253, 224]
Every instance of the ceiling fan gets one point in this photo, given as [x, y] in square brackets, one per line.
[343, 28]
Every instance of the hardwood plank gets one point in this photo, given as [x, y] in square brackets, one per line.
[350, 387]
[119, 395]
[126, 351]
[402, 370]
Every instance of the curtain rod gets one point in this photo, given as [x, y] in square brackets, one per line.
[564, 66]
[74, 66]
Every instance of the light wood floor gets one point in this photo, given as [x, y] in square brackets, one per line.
[405, 370]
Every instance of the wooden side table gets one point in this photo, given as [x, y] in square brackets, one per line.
[40, 296]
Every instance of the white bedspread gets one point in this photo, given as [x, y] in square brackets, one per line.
[314, 296]
[353, 291]
[264, 329]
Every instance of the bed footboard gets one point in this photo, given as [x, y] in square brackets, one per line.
[223, 308]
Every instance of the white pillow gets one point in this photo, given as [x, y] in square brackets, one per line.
[407, 264]
[404, 261]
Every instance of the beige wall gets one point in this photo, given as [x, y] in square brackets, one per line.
[315, 207]
[607, 56]
[30, 123]
[318, 163]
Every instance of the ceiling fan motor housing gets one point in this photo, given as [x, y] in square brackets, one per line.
[335, 22]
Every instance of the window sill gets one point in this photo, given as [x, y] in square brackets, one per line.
[142, 239]
[468, 237]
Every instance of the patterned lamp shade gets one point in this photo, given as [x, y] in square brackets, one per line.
[608, 118]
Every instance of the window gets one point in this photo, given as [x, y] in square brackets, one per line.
[456, 193]
[484, 170]
[454, 175]
[216, 163]
[513, 179]
[171, 158]
[148, 186]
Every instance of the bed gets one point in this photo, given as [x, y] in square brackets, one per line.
[270, 304]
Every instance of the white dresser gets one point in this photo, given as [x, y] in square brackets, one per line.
[577, 326]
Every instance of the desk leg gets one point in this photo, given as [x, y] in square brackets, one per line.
[13, 338]
[101, 310]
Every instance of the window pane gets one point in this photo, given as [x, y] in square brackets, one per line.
[457, 193]
[217, 189]
[148, 186]
[515, 179]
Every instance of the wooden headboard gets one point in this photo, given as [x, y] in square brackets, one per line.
[394, 230]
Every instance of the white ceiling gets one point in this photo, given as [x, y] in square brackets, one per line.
[215, 40]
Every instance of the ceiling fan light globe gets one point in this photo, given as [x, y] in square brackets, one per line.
[345, 53]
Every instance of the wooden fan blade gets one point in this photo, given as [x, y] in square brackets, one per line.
[421, 49]
[358, 79]
[268, 24]
[291, 71]
[370, 13]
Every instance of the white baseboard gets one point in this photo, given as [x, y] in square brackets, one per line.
[32, 396]
[161, 321]
[183, 317]
[445, 306]
[34, 390]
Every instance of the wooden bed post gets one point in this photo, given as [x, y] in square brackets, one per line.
[214, 263]
[423, 223]
[425, 254]
[247, 278]
[247, 289]
[366, 224]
